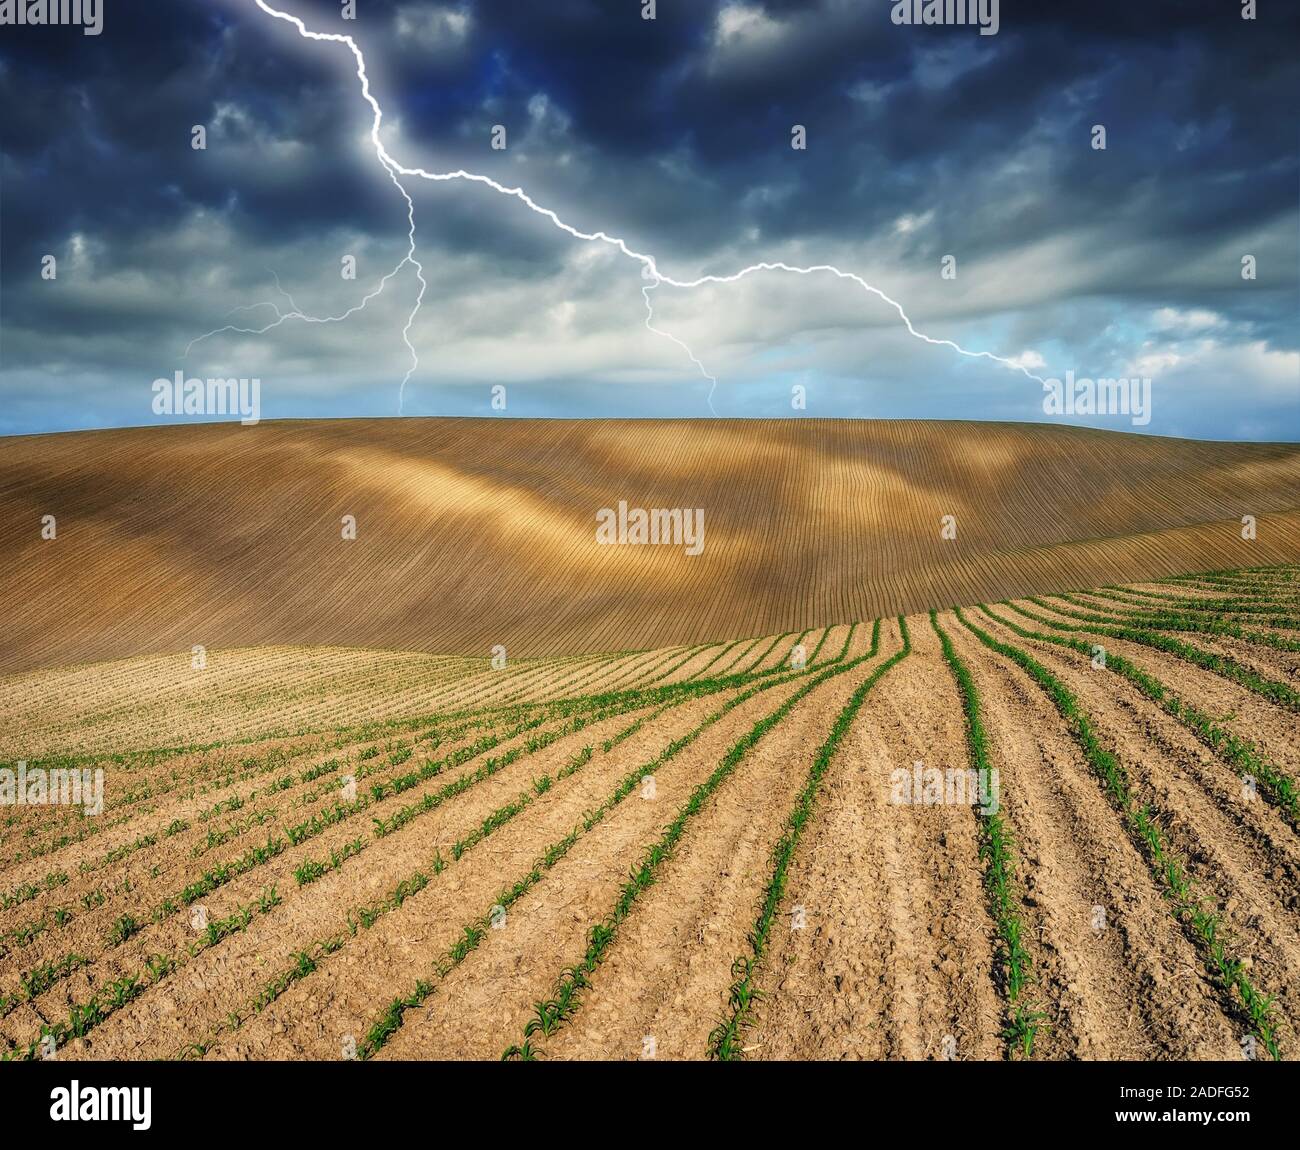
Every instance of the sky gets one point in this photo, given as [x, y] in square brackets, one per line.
[953, 173]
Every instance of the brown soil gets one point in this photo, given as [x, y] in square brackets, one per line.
[884, 945]
[896, 951]
[473, 533]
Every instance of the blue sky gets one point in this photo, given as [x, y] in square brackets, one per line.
[673, 134]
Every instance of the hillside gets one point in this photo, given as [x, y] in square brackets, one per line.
[472, 533]
[986, 842]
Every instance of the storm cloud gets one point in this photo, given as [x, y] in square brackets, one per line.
[675, 135]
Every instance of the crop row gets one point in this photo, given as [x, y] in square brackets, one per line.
[725, 1040]
[1144, 821]
[552, 1013]
[474, 931]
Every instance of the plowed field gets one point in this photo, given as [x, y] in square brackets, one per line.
[473, 534]
[1056, 827]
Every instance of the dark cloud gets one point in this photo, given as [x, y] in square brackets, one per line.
[674, 134]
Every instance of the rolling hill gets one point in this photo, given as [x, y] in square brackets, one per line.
[473, 533]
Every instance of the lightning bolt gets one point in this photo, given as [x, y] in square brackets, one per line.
[649, 267]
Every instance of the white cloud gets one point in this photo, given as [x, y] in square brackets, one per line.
[1029, 360]
[431, 27]
[1185, 323]
[247, 140]
[546, 117]
[744, 27]
[744, 35]
[1248, 372]
[905, 225]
